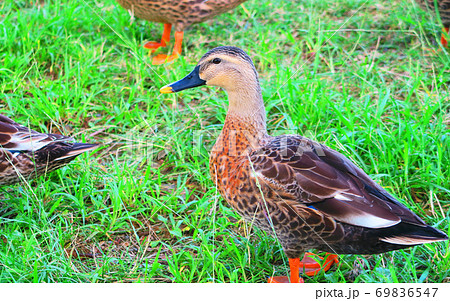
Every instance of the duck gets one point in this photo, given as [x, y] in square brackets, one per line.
[26, 154]
[179, 13]
[306, 194]
[443, 7]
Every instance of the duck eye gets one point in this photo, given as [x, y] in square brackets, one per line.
[216, 60]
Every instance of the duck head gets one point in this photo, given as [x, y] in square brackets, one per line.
[225, 66]
[231, 69]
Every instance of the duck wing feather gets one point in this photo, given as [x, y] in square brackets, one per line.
[323, 179]
[17, 138]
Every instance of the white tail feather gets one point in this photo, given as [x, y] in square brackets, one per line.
[76, 152]
[409, 241]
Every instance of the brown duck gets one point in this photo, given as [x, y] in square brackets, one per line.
[26, 154]
[307, 194]
[443, 7]
[180, 13]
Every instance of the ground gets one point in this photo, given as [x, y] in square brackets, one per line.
[364, 77]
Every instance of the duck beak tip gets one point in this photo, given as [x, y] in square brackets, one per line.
[166, 89]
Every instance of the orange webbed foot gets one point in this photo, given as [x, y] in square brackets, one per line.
[154, 45]
[283, 279]
[164, 39]
[164, 58]
[309, 265]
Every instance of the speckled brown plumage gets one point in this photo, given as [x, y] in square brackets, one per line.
[25, 153]
[290, 186]
[303, 192]
[180, 13]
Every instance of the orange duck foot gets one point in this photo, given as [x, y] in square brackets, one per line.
[164, 58]
[284, 279]
[164, 39]
[308, 265]
[154, 45]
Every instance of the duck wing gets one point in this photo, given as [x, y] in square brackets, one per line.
[323, 179]
[17, 138]
[25, 153]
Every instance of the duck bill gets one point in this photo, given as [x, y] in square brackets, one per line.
[190, 81]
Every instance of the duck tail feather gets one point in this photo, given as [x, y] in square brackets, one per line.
[417, 236]
[77, 149]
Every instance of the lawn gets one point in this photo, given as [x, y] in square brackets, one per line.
[366, 78]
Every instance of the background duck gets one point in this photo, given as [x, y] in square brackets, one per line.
[443, 6]
[308, 195]
[180, 13]
[25, 153]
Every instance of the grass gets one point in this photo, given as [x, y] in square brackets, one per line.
[143, 208]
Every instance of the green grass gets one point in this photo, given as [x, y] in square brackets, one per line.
[143, 208]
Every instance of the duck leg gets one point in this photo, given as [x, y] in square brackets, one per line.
[312, 267]
[163, 58]
[308, 264]
[164, 39]
[444, 40]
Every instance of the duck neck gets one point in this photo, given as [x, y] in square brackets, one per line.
[245, 124]
[246, 110]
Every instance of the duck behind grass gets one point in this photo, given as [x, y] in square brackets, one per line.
[443, 7]
[307, 194]
[180, 13]
[26, 154]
